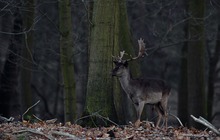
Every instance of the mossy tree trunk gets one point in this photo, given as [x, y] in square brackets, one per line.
[116, 89]
[109, 35]
[66, 56]
[196, 61]
[99, 88]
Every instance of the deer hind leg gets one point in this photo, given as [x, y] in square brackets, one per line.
[163, 105]
[139, 109]
[158, 110]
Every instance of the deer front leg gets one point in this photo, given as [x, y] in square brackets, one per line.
[139, 108]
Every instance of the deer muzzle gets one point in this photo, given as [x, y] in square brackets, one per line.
[114, 71]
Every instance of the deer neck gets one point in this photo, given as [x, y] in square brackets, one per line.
[125, 81]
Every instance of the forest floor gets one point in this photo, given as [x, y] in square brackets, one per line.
[56, 131]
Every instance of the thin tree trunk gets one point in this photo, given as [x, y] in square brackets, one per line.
[66, 56]
[212, 74]
[28, 18]
[81, 50]
[183, 87]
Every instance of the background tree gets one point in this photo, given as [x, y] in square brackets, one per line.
[27, 54]
[67, 66]
[80, 37]
[196, 61]
[183, 83]
[213, 72]
[10, 101]
[6, 23]
[183, 87]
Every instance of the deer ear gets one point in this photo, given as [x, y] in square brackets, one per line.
[115, 62]
[126, 64]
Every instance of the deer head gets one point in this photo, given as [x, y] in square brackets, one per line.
[121, 64]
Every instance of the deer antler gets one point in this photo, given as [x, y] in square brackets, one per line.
[119, 58]
[142, 52]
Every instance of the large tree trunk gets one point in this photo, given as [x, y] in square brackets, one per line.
[99, 88]
[196, 62]
[66, 54]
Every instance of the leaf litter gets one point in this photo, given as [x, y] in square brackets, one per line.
[58, 131]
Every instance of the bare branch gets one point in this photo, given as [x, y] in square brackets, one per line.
[35, 132]
[29, 109]
[96, 114]
[4, 119]
[63, 134]
[90, 22]
[37, 118]
[206, 123]
[181, 124]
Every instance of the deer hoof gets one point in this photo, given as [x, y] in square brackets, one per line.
[137, 123]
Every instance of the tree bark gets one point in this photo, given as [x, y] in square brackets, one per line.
[213, 61]
[196, 61]
[99, 87]
[27, 62]
[183, 87]
[10, 101]
[66, 58]
[126, 43]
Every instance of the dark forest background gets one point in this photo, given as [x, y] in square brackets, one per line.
[60, 52]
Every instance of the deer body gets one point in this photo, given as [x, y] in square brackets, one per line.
[141, 92]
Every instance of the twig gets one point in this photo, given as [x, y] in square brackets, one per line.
[22, 32]
[177, 119]
[4, 119]
[97, 115]
[107, 119]
[35, 132]
[64, 134]
[194, 135]
[90, 22]
[37, 118]
[84, 117]
[29, 109]
[129, 137]
[51, 121]
[206, 123]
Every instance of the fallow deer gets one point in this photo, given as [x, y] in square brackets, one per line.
[141, 92]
